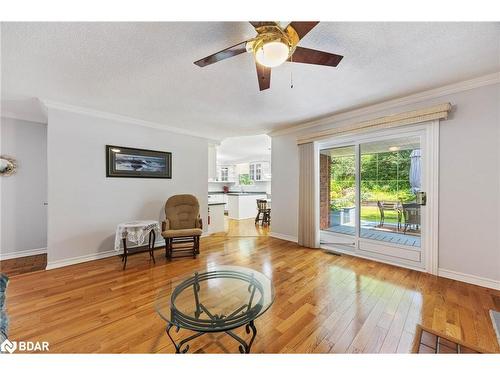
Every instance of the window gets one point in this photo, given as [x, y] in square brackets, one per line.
[252, 172]
[224, 174]
[244, 179]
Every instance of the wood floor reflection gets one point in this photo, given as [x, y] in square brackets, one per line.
[324, 303]
[243, 228]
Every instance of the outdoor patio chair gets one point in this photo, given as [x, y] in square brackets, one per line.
[380, 206]
[389, 206]
[411, 216]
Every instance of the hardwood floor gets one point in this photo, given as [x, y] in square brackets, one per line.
[324, 303]
[243, 228]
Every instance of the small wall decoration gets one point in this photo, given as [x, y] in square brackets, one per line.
[136, 162]
[7, 166]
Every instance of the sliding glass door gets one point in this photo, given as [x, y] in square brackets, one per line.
[372, 197]
[338, 190]
[390, 177]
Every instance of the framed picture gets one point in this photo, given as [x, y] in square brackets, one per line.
[136, 162]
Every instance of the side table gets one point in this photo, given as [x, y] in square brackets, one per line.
[136, 232]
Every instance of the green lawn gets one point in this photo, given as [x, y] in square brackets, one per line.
[371, 213]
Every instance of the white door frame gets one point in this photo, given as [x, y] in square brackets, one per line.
[429, 132]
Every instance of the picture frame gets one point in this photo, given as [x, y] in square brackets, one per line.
[137, 163]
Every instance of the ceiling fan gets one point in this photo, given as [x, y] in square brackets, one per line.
[274, 45]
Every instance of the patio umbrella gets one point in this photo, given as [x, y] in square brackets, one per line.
[415, 171]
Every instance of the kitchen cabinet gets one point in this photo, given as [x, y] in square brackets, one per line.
[226, 173]
[260, 171]
[243, 205]
[216, 217]
[218, 198]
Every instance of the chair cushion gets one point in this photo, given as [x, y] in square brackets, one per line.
[181, 232]
[182, 211]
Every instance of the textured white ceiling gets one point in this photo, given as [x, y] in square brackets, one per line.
[146, 70]
[234, 150]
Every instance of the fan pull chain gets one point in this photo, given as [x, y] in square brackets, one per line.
[291, 72]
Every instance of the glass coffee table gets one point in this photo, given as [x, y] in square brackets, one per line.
[218, 299]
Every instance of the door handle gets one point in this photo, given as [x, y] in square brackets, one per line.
[421, 198]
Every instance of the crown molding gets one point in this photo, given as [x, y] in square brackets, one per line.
[36, 112]
[24, 117]
[49, 104]
[470, 84]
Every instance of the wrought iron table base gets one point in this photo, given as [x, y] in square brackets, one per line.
[244, 346]
[214, 323]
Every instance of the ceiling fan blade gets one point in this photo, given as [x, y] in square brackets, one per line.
[224, 54]
[264, 76]
[313, 56]
[257, 24]
[302, 28]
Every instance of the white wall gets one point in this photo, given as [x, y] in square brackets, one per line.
[285, 186]
[23, 214]
[85, 206]
[469, 196]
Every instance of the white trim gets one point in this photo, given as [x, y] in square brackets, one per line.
[121, 118]
[96, 256]
[282, 236]
[470, 279]
[431, 172]
[429, 135]
[335, 249]
[81, 259]
[470, 84]
[23, 253]
[24, 117]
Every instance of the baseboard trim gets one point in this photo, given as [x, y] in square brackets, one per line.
[95, 256]
[470, 279]
[285, 237]
[81, 259]
[23, 253]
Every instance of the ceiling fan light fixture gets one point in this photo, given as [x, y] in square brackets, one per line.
[272, 54]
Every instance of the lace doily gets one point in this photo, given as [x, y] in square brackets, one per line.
[135, 231]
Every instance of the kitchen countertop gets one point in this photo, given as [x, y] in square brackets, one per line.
[245, 194]
[238, 192]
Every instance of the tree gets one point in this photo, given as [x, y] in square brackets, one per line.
[384, 176]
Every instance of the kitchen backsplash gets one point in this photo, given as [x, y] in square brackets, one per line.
[257, 186]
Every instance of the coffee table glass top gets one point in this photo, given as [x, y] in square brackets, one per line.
[215, 299]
